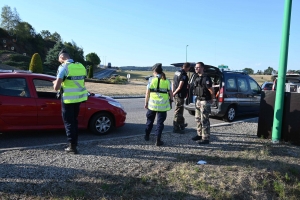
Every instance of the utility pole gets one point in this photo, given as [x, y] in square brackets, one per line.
[186, 53]
[279, 98]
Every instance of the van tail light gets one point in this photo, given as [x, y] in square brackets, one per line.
[221, 95]
[274, 85]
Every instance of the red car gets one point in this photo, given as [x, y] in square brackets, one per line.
[28, 102]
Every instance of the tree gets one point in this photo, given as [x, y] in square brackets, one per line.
[268, 71]
[9, 18]
[91, 71]
[52, 56]
[259, 72]
[55, 37]
[45, 34]
[75, 52]
[25, 31]
[248, 70]
[93, 58]
[36, 65]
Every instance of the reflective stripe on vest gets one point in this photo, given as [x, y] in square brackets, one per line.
[74, 90]
[159, 101]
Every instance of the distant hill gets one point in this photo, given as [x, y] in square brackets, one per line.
[136, 68]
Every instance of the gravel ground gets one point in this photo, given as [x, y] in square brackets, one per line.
[48, 171]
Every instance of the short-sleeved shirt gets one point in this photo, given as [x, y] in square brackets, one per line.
[62, 71]
[181, 75]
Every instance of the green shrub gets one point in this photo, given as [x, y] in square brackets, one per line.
[19, 58]
[91, 72]
[36, 64]
[20, 65]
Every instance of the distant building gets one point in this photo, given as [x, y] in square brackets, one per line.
[109, 65]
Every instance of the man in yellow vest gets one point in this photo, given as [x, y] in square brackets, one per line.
[70, 82]
[157, 100]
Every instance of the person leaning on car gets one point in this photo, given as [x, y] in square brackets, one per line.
[180, 91]
[205, 95]
[70, 82]
[158, 101]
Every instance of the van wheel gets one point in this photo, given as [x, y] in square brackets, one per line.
[101, 124]
[191, 112]
[230, 114]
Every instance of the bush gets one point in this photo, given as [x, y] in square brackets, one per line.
[36, 64]
[19, 58]
[20, 65]
[91, 72]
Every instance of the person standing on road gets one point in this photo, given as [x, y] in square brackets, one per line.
[70, 83]
[158, 101]
[205, 95]
[180, 91]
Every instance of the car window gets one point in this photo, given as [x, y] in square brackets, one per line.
[254, 86]
[242, 84]
[231, 85]
[14, 87]
[44, 88]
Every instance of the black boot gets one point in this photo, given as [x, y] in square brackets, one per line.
[158, 141]
[197, 137]
[147, 136]
[71, 149]
[203, 142]
[182, 126]
[177, 128]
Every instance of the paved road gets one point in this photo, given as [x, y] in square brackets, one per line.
[105, 73]
[135, 124]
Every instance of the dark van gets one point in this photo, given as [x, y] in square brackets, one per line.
[238, 93]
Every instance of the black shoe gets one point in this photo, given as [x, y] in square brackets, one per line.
[71, 149]
[197, 137]
[203, 142]
[178, 131]
[159, 143]
[147, 137]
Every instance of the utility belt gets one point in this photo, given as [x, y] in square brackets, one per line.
[202, 99]
[165, 91]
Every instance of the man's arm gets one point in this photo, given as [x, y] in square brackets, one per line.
[57, 84]
[179, 88]
[147, 98]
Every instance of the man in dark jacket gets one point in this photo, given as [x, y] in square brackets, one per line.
[205, 95]
[180, 91]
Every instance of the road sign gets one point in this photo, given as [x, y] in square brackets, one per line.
[223, 66]
[128, 76]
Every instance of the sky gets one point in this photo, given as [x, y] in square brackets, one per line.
[237, 33]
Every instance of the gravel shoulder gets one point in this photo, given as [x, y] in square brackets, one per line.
[131, 168]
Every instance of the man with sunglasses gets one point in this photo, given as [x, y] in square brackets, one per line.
[205, 95]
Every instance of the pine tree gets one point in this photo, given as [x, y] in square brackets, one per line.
[36, 65]
[52, 56]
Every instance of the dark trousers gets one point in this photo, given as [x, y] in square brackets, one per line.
[161, 117]
[69, 114]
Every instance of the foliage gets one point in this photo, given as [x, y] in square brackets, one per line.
[75, 52]
[91, 71]
[268, 71]
[93, 58]
[24, 31]
[248, 70]
[36, 64]
[9, 18]
[3, 33]
[19, 58]
[52, 56]
[21, 65]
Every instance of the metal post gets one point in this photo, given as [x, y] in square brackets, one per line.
[186, 53]
[280, 88]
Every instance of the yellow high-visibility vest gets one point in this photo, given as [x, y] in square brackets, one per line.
[74, 90]
[159, 98]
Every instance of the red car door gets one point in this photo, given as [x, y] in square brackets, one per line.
[48, 106]
[17, 107]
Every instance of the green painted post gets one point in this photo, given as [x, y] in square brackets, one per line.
[280, 89]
